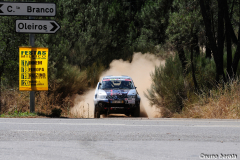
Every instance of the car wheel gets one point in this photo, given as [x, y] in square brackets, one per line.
[136, 112]
[96, 114]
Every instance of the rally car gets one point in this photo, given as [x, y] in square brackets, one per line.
[116, 95]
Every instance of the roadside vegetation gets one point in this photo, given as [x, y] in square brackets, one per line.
[220, 103]
[174, 92]
[200, 80]
[17, 114]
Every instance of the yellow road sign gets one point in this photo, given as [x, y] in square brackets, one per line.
[33, 69]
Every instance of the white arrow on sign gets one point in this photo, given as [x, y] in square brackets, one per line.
[37, 26]
[27, 9]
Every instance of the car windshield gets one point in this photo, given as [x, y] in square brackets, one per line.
[116, 84]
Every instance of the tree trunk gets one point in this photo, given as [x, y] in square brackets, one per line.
[195, 44]
[228, 22]
[181, 56]
[237, 54]
[2, 71]
[0, 90]
[220, 38]
[193, 71]
[217, 51]
[229, 54]
[208, 52]
[228, 27]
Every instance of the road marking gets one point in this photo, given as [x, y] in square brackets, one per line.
[130, 125]
[77, 124]
[211, 126]
[26, 130]
[187, 120]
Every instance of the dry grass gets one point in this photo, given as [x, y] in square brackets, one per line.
[218, 104]
[14, 100]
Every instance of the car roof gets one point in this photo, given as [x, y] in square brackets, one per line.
[117, 77]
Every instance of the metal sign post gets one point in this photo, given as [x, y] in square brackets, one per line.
[32, 93]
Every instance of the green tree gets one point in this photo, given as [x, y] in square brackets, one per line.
[153, 20]
[9, 42]
[225, 12]
[183, 31]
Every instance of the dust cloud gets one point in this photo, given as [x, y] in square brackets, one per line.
[139, 70]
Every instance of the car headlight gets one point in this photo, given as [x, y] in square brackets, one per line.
[132, 96]
[101, 96]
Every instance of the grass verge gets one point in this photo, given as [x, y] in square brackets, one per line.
[17, 114]
[221, 103]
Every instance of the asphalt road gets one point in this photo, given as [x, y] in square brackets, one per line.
[118, 139]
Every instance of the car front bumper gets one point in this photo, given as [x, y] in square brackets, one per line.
[112, 106]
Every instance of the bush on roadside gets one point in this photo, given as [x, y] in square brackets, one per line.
[14, 100]
[70, 80]
[168, 87]
[220, 103]
[172, 86]
[93, 73]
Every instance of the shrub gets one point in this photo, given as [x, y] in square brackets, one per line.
[172, 86]
[94, 72]
[14, 100]
[168, 86]
[221, 103]
[69, 80]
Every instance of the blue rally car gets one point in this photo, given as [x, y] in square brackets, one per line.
[116, 94]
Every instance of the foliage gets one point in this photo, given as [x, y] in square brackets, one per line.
[69, 80]
[221, 32]
[93, 73]
[9, 42]
[167, 87]
[153, 21]
[171, 87]
[15, 101]
[205, 73]
[221, 103]
[184, 21]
